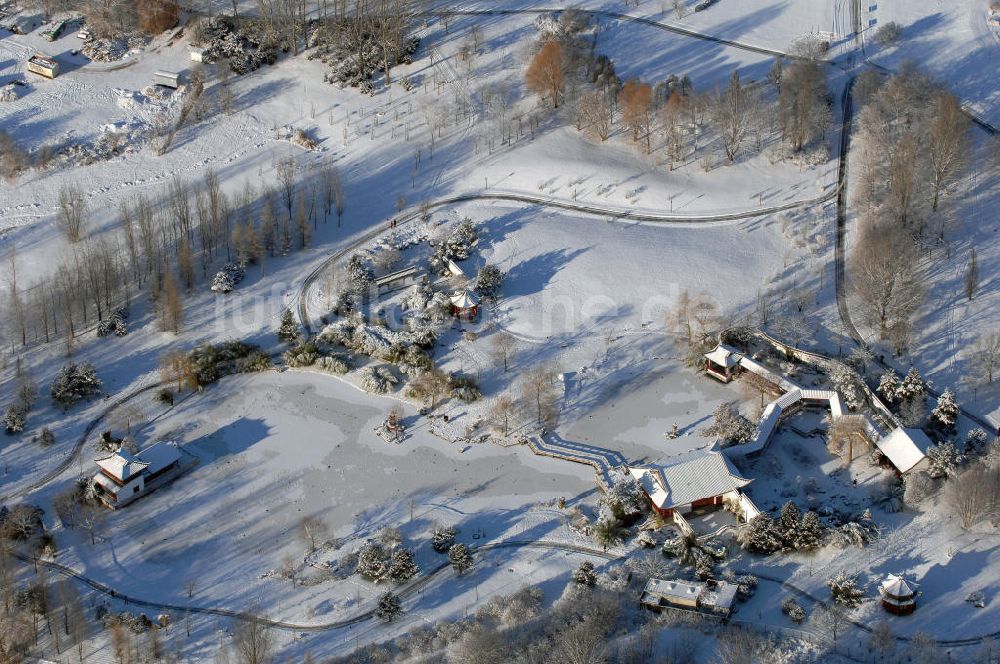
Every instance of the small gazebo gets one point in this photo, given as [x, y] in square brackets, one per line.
[899, 596]
[464, 305]
[723, 362]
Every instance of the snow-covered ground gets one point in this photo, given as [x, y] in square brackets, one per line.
[586, 294]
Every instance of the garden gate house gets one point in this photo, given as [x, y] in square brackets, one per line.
[723, 363]
[707, 480]
[123, 477]
[464, 305]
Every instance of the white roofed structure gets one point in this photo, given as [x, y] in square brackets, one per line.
[464, 299]
[704, 480]
[905, 448]
[899, 596]
[121, 465]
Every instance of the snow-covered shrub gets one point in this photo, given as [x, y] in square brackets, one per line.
[411, 360]
[210, 362]
[488, 281]
[110, 49]
[844, 589]
[975, 440]
[916, 487]
[75, 382]
[460, 558]
[15, 417]
[849, 384]
[129, 621]
[226, 279]
[303, 140]
[857, 532]
[746, 586]
[730, 427]
[585, 574]
[625, 498]
[888, 33]
[46, 438]
[945, 414]
[442, 538]
[8, 93]
[464, 388]
[114, 324]
[456, 246]
[359, 274]
[377, 380]
[943, 460]
[254, 362]
[245, 49]
[793, 610]
[418, 297]
[515, 609]
[760, 536]
[303, 355]
[334, 364]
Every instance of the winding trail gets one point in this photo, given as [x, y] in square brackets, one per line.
[615, 213]
[405, 592]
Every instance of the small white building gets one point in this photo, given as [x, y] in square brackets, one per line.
[899, 596]
[723, 362]
[197, 54]
[906, 449]
[123, 477]
[167, 79]
[713, 597]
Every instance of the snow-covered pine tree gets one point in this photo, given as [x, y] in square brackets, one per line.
[46, 438]
[73, 383]
[585, 575]
[402, 566]
[15, 417]
[945, 414]
[373, 562]
[359, 274]
[442, 538]
[975, 440]
[788, 525]
[625, 498]
[388, 608]
[912, 386]
[730, 426]
[793, 609]
[489, 280]
[943, 460]
[704, 567]
[847, 381]
[844, 588]
[288, 330]
[460, 558]
[761, 536]
[888, 386]
[811, 532]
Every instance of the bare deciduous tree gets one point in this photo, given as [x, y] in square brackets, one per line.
[252, 638]
[947, 143]
[732, 112]
[72, 212]
[504, 347]
[884, 277]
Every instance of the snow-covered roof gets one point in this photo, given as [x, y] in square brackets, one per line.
[398, 275]
[905, 448]
[122, 465]
[722, 598]
[454, 268]
[107, 483]
[897, 587]
[724, 356]
[683, 590]
[160, 455]
[464, 299]
[705, 476]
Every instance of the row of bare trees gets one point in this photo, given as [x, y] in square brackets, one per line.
[165, 247]
[913, 145]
